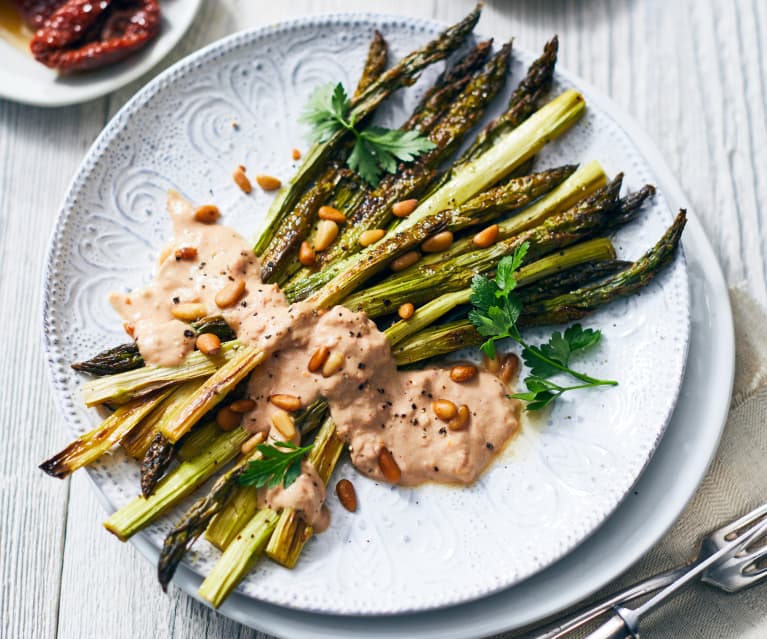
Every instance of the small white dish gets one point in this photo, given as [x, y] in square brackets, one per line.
[23, 79]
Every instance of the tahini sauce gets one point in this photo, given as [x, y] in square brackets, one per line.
[372, 403]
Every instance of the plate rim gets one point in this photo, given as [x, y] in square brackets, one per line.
[157, 83]
[86, 93]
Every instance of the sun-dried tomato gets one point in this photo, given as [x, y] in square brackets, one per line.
[36, 12]
[86, 34]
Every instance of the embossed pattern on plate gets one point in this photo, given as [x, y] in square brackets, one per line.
[405, 549]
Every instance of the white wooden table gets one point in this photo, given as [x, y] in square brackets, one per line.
[692, 73]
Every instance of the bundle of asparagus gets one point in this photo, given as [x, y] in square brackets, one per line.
[562, 216]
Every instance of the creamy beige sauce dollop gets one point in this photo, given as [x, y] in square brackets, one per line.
[372, 403]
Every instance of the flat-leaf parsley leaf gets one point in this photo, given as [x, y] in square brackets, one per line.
[279, 463]
[375, 149]
[495, 314]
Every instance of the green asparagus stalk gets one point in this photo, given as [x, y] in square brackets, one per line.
[228, 522]
[375, 210]
[629, 206]
[157, 451]
[120, 388]
[239, 558]
[446, 338]
[292, 532]
[512, 149]
[585, 181]
[89, 447]
[435, 341]
[197, 441]
[586, 252]
[376, 258]
[523, 102]
[243, 505]
[526, 98]
[119, 359]
[639, 274]
[142, 511]
[398, 76]
[126, 357]
[296, 225]
[346, 192]
[195, 521]
[515, 193]
[448, 86]
[137, 441]
[158, 457]
[419, 284]
[212, 392]
[570, 279]
[378, 52]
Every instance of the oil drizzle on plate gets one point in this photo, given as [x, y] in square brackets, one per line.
[12, 27]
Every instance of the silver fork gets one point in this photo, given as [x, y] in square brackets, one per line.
[731, 574]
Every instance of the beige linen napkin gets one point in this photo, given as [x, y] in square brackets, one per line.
[735, 483]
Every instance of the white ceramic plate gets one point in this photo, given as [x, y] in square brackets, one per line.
[405, 549]
[22, 79]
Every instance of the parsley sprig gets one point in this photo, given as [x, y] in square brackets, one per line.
[275, 466]
[495, 314]
[375, 149]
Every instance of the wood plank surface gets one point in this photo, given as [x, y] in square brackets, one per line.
[691, 72]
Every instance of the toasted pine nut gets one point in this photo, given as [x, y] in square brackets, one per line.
[284, 424]
[295, 154]
[185, 253]
[285, 402]
[208, 343]
[491, 365]
[327, 231]
[388, 466]
[347, 495]
[406, 311]
[486, 237]
[306, 254]
[334, 363]
[404, 261]
[207, 213]
[319, 358]
[509, 368]
[332, 214]
[242, 405]
[188, 312]
[463, 372]
[371, 237]
[444, 409]
[227, 419]
[250, 444]
[242, 180]
[438, 243]
[268, 182]
[404, 208]
[461, 418]
[230, 294]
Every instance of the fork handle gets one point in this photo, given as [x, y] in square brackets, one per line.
[615, 628]
[639, 589]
